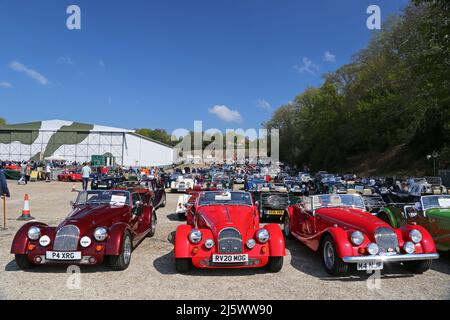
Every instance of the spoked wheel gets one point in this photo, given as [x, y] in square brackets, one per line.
[122, 261]
[287, 227]
[153, 225]
[333, 264]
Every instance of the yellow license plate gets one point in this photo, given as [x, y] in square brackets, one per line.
[275, 212]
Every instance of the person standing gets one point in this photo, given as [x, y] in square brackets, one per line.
[86, 174]
[23, 170]
[48, 171]
[4, 191]
[28, 173]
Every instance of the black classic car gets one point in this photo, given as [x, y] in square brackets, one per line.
[272, 204]
[106, 182]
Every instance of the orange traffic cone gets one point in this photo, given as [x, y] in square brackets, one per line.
[26, 213]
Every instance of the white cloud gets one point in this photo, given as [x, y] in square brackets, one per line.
[226, 114]
[308, 66]
[65, 60]
[33, 74]
[101, 63]
[329, 57]
[263, 104]
[5, 84]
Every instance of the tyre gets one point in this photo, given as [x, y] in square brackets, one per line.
[331, 261]
[183, 264]
[275, 264]
[287, 227]
[418, 267]
[153, 225]
[164, 201]
[22, 262]
[122, 261]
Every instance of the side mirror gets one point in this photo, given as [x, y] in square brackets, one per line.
[257, 204]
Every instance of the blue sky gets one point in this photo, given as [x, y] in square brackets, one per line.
[166, 63]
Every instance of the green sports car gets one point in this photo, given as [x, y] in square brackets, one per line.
[430, 211]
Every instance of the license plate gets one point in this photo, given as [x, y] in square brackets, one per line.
[275, 212]
[365, 266]
[63, 256]
[230, 258]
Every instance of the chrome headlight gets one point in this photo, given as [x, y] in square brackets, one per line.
[373, 249]
[262, 235]
[100, 234]
[357, 238]
[195, 236]
[409, 247]
[209, 243]
[415, 235]
[34, 233]
[251, 243]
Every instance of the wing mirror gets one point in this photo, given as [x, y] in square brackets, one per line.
[257, 204]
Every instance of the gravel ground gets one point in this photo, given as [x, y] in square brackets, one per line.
[152, 275]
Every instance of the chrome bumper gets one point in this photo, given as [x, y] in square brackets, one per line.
[393, 258]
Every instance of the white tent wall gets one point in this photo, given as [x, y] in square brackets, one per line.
[139, 151]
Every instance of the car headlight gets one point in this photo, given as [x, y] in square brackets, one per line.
[415, 235]
[262, 235]
[251, 243]
[373, 249]
[409, 247]
[100, 234]
[195, 236]
[209, 243]
[34, 233]
[357, 238]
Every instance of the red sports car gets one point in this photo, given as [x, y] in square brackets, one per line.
[70, 177]
[340, 228]
[223, 231]
[103, 225]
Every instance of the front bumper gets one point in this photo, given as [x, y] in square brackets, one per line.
[253, 262]
[393, 258]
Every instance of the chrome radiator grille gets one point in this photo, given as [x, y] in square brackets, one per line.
[67, 238]
[386, 240]
[230, 241]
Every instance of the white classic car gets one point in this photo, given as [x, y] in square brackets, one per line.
[182, 205]
[183, 183]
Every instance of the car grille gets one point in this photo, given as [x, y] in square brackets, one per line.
[67, 238]
[275, 201]
[386, 240]
[230, 241]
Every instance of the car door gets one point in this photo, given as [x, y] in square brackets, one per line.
[306, 219]
[158, 189]
[137, 210]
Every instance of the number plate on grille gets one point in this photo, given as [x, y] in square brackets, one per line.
[364, 266]
[275, 212]
[63, 256]
[230, 258]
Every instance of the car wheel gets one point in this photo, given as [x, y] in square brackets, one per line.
[22, 262]
[331, 261]
[275, 264]
[183, 264]
[164, 201]
[153, 225]
[287, 227]
[122, 261]
[418, 267]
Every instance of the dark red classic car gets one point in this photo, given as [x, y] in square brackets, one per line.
[339, 227]
[103, 225]
[223, 231]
